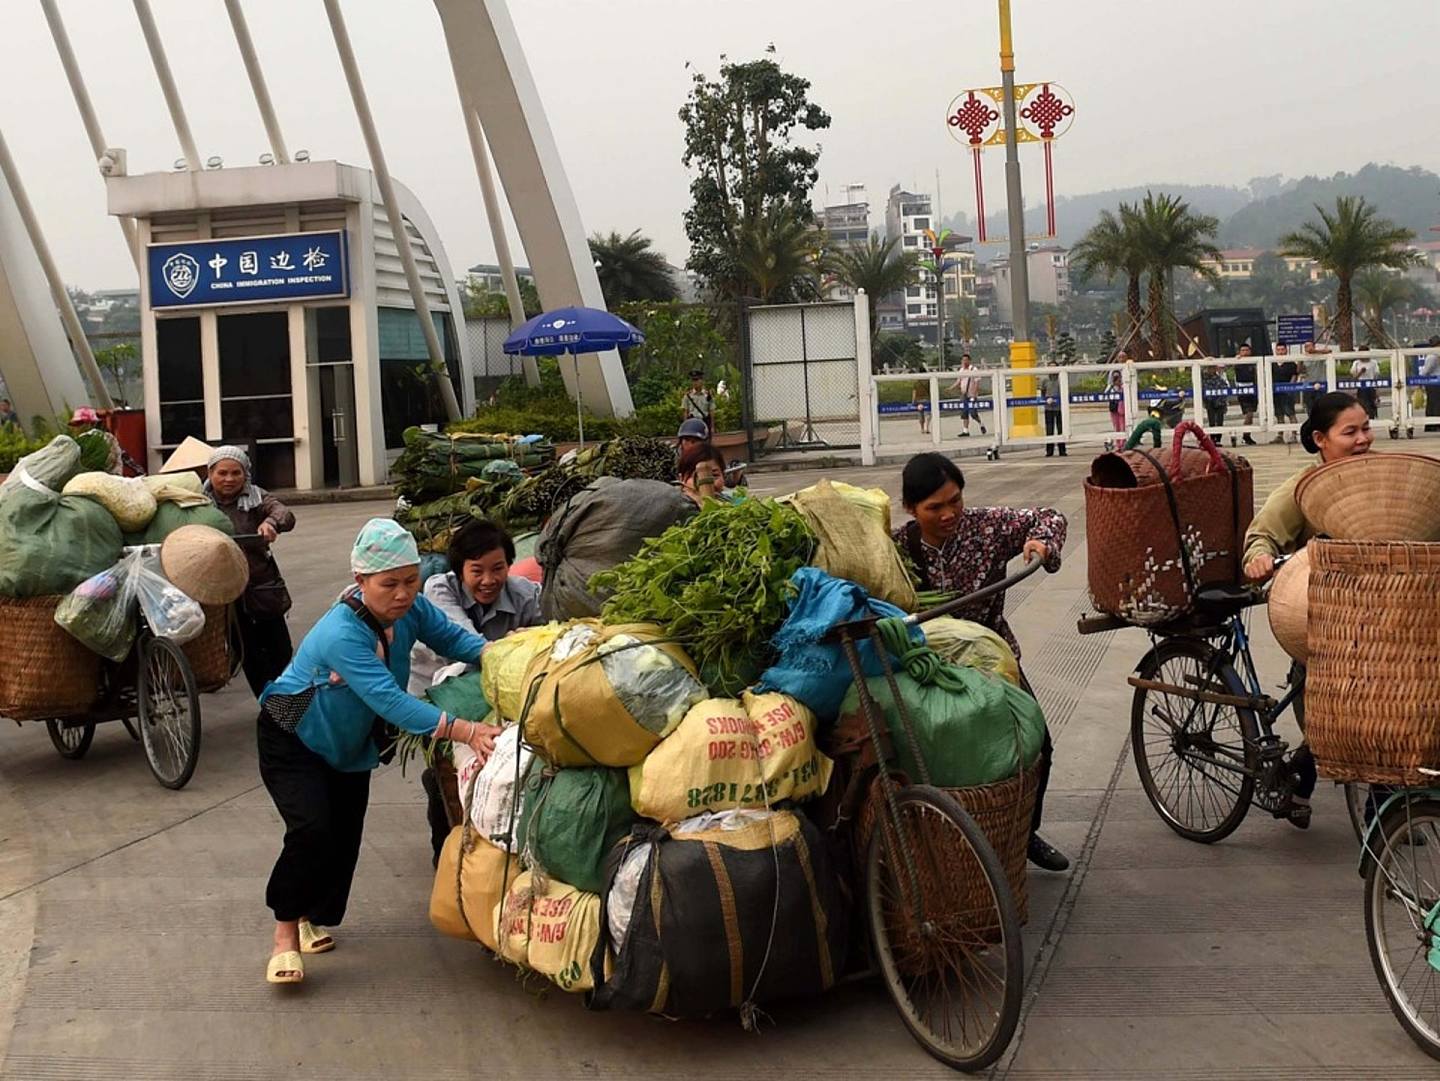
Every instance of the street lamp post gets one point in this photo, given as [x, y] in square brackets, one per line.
[1022, 349]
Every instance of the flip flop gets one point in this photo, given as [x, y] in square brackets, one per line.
[313, 940]
[287, 967]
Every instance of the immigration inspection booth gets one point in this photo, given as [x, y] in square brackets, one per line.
[274, 314]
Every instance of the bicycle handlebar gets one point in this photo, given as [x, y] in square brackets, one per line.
[972, 598]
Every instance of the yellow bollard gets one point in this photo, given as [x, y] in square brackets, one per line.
[1025, 421]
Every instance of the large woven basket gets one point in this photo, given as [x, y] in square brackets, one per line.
[209, 654]
[1374, 497]
[44, 672]
[1002, 811]
[1372, 688]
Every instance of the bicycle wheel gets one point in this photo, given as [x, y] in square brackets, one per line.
[169, 712]
[1356, 797]
[1195, 759]
[1402, 916]
[71, 738]
[945, 930]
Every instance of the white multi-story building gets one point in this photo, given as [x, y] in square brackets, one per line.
[907, 216]
[1049, 268]
[846, 225]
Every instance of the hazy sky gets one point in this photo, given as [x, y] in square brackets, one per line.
[1213, 92]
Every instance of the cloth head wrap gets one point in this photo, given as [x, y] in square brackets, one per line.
[250, 496]
[383, 545]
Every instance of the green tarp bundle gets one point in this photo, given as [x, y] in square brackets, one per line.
[571, 818]
[51, 543]
[436, 464]
[171, 516]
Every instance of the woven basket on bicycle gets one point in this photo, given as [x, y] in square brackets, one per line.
[209, 655]
[44, 672]
[1160, 527]
[1372, 686]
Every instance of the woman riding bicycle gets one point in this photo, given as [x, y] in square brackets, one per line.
[959, 549]
[1338, 427]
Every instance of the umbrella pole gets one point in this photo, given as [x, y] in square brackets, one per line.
[579, 400]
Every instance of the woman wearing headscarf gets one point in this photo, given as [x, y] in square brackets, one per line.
[322, 724]
[264, 634]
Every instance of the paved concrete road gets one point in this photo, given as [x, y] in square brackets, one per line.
[133, 933]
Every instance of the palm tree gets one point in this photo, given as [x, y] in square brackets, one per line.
[1345, 242]
[1171, 237]
[1378, 292]
[778, 251]
[1112, 247]
[878, 268]
[629, 270]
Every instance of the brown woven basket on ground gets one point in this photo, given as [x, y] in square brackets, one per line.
[209, 654]
[44, 672]
[1372, 687]
[1002, 811]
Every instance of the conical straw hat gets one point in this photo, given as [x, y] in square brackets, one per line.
[1289, 605]
[1374, 497]
[191, 454]
[205, 564]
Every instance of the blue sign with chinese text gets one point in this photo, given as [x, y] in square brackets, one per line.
[1294, 329]
[250, 270]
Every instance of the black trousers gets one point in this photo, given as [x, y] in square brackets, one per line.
[267, 649]
[324, 813]
[1053, 426]
[435, 815]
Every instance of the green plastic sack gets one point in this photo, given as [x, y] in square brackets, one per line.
[52, 543]
[966, 722]
[171, 516]
[570, 819]
[461, 696]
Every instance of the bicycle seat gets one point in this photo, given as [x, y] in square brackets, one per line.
[1224, 601]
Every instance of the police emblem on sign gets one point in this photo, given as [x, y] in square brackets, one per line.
[181, 273]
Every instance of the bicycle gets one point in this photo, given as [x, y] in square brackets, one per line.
[954, 968]
[1202, 729]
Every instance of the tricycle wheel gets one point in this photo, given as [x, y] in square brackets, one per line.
[71, 738]
[169, 712]
[945, 930]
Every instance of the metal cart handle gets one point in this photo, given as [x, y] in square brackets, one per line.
[972, 598]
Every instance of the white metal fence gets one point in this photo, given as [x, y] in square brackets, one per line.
[1241, 399]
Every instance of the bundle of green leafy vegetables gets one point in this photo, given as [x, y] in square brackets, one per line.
[719, 584]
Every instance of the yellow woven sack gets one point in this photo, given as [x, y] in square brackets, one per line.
[608, 695]
[469, 883]
[550, 927]
[974, 645]
[855, 544]
[729, 755]
[504, 663]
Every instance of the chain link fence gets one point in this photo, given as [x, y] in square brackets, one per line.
[801, 377]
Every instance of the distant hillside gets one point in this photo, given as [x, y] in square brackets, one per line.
[1408, 197]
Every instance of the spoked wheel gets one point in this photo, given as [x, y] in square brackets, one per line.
[71, 738]
[945, 930]
[1195, 759]
[1402, 916]
[169, 712]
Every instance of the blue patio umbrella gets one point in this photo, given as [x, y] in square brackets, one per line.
[573, 331]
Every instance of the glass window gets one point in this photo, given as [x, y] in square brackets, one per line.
[921, 224]
[912, 291]
[182, 384]
[407, 393]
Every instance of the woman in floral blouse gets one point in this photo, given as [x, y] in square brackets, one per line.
[959, 549]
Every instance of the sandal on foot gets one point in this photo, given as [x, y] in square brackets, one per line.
[286, 967]
[314, 940]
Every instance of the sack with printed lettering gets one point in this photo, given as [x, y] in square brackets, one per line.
[550, 927]
[729, 755]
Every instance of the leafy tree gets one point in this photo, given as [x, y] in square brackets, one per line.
[739, 140]
[1379, 291]
[1351, 239]
[1171, 237]
[483, 303]
[899, 351]
[1112, 248]
[879, 268]
[629, 270]
[1108, 344]
[778, 253]
[1065, 347]
[1274, 287]
[120, 362]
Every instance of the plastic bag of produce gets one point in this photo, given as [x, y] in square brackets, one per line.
[100, 611]
[971, 727]
[50, 543]
[470, 879]
[718, 912]
[973, 645]
[551, 927]
[569, 821]
[504, 663]
[495, 805]
[128, 500]
[597, 529]
[855, 544]
[607, 695]
[50, 467]
[730, 754]
[168, 612]
[170, 516]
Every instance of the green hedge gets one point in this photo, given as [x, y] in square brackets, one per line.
[14, 445]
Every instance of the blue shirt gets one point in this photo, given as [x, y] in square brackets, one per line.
[337, 724]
